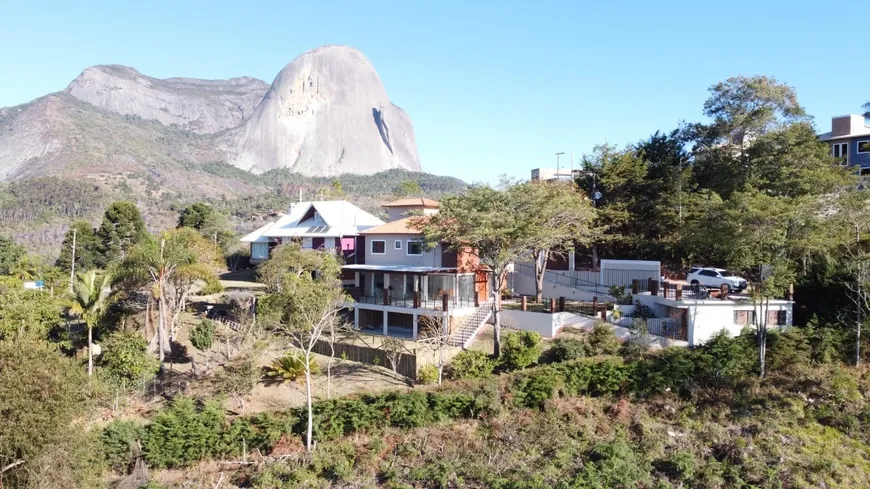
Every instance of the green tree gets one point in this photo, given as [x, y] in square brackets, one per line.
[196, 216]
[125, 358]
[42, 394]
[408, 188]
[211, 223]
[562, 215]
[88, 248]
[488, 222]
[306, 308]
[121, 229]
[33, 312]
[11, 255]
[91, 294]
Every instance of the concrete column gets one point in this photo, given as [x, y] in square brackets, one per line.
[386, 328]
[386, 281]
[356, 317]
[356, 279]
[414, 333]
[572, 258]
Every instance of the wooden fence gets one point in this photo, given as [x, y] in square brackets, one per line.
[406, 364]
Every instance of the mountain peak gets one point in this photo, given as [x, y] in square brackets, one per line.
[326, 113]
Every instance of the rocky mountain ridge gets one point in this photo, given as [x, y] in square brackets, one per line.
[325, 114]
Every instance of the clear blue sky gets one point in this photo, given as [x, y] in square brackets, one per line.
[493, 87]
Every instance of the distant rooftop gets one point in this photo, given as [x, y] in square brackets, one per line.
[847, 126]
[413, 202]
[399, 226]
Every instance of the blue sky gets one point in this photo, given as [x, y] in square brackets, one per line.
[492, 87]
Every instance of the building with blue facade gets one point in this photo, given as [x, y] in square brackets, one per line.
[849, 140]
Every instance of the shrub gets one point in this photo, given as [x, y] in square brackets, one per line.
[428, 374]
[642, 311]
[788, 349]
[471, 364]
[724, 361]
[126, 359]
[202, 335]
[290, 367]
[680, 465]
[183, 433]
[521, 349]
[565, 349]
[409, 410]
[118, 440]
[602, 340]
[639, 341]
[533, 389]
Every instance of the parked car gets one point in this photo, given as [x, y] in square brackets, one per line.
[716, 278]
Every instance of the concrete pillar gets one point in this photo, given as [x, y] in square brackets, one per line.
[356, 279]
[356, 317]
[414, 332]
[386, 327]
[524, 303]
[572, 259]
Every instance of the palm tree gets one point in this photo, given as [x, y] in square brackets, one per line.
[866, 108]
[91, 297]
[173, 264]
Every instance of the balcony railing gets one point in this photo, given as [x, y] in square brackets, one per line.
[414, 300]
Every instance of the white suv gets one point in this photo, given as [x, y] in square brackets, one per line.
[715, 278]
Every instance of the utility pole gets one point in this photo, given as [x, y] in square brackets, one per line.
[72, 272]
[557, 163]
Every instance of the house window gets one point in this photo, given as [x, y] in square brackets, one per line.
[863, 146]
[260, 251]
[379, 247]
[415, 247]
[397, 245]
[744, 318]
[316, 216]
[841, 151]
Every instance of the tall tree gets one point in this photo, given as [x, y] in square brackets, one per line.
[488, 222]
[87, 250]
[210, 223]
[853, 219]
[307, 307]
[562, 216]
[90, 300]
[121, 229]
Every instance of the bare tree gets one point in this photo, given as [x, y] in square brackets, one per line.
[307, 306]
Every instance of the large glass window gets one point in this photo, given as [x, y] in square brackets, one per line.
[466, 287]
[864, 146]
[440, 285]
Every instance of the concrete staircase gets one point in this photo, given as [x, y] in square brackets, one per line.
[471, 325]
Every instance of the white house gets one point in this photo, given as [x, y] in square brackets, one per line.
[324, 224]
[698, 319]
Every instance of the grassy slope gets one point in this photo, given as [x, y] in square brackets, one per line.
[804, 427]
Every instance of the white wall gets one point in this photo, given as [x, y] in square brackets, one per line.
[525, 285]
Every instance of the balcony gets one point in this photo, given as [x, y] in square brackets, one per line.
[436, 301]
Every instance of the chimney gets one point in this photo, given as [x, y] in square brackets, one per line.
[847, 124]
